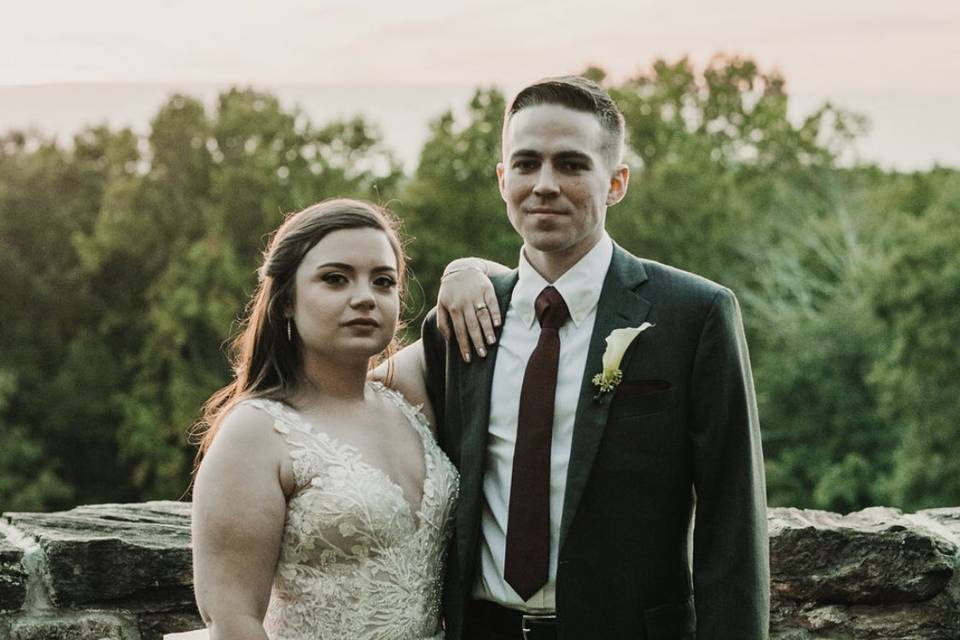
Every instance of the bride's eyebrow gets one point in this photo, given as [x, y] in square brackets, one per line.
[335, 265]
[349, 267]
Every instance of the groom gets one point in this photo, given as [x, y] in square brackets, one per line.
[633, 509]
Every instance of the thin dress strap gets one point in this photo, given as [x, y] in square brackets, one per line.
[284, 418]
[310, 451]
[411, 412]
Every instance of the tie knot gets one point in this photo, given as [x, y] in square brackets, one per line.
[551, 310]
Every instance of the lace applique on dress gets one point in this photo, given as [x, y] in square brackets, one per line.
[356, 560]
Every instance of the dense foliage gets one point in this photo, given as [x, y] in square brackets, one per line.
[125, 263]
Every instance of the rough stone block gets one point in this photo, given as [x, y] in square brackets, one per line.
[946, 517]
[875, 556]
[131, 556]
[13, 578]
[153, 626]
[926, 621]
[93, 626]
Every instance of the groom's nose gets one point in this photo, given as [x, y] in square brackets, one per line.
[546, 183]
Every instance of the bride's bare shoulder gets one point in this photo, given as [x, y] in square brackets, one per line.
[247, 423]
[405, 372]
[246, 437]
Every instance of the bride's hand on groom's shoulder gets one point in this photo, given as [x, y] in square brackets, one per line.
[467, 306]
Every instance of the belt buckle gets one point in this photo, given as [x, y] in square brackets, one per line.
[534, 618]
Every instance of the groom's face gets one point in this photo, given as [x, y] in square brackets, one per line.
[556, 180]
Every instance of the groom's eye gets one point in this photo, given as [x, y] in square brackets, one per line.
[572, 166]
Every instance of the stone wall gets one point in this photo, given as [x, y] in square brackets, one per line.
[875, 573]
[103, 572]
[122, 572]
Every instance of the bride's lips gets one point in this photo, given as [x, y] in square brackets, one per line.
[362, 322]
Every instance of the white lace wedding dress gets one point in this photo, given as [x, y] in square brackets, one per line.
[357, 561]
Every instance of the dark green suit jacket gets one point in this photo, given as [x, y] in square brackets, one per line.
[663, 533]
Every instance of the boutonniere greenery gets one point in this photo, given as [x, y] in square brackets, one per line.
[617, 343]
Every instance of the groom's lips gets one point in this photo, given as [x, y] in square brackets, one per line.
[545, 211]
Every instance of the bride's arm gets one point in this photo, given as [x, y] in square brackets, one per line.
[465, 285]
[238, 514]
[467, 304]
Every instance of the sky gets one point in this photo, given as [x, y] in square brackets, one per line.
[896, 61]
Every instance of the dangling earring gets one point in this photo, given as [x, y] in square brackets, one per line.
[289, 331]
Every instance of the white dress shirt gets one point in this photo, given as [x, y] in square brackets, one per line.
[580, 287]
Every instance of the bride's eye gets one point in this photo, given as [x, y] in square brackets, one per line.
[385, 282]
[335, 278]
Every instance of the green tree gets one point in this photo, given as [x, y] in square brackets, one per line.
[916, 296]
[452, 206]
[127, 261]
[28, 478]
[242, 169]
[48, 197]
[719, 168]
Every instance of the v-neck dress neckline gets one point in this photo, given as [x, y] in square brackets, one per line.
[414, 419]
[356, 560]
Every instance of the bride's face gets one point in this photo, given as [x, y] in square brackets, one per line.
[346, 301]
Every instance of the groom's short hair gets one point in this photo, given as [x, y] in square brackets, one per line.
[579, 94]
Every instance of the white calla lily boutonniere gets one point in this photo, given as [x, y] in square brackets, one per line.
[617, 343]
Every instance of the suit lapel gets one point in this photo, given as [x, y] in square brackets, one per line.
[619, 307]
[475, 384]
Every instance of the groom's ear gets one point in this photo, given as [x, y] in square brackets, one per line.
[501, 171]
[618, 184]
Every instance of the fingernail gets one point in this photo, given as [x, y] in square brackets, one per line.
[491, 339]
[466, 357]
[482, 352]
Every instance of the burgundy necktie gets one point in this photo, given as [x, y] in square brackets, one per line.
[528, 527]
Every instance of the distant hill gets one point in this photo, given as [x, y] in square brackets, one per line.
[906, 133]
[401, 112]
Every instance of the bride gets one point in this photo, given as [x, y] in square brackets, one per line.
[322, 506]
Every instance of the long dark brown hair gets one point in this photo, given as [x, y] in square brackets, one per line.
[266, 364]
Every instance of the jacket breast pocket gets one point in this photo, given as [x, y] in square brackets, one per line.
[643, 420]
[642, 397]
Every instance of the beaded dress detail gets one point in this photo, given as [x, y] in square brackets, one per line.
[357, 560]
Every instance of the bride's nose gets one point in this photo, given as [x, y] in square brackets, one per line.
[363, 297]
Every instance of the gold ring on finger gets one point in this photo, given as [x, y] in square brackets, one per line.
[480, 306]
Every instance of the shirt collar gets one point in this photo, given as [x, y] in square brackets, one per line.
[580, 286]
